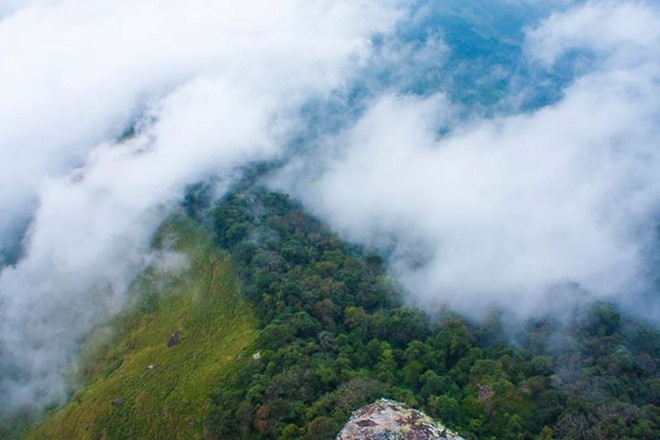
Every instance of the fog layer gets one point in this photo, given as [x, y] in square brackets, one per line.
[495, 212]
[201, 87]
[492, 151]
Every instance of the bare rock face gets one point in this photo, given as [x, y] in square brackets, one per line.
[390, 420]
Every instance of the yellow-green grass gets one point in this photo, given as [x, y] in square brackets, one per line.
[165, 391]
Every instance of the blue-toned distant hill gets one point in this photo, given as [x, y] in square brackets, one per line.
[481, 60]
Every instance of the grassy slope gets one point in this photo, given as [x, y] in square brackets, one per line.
[171, 399]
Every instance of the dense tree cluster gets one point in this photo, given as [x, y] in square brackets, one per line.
[336, 336]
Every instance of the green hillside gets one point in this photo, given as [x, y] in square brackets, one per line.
[336, 335]
[138, 387]
[333, 333]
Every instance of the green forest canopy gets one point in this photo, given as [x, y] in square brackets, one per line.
[332, 334]
[336, 335]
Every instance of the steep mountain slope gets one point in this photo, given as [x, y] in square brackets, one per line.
[335, 335]
[148, 373]
[317, 329]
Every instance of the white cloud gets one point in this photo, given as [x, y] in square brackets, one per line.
[501, 210]
[493, 213]
[217, 84]
[73, 74]
[620, 33]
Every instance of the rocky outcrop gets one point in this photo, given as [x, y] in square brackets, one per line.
[390, 420]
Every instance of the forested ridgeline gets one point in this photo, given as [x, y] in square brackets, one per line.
[335, 334]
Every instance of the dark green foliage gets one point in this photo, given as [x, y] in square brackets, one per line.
[197, 199]
[336, 336]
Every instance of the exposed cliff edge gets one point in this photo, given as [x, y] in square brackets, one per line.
[390, 420]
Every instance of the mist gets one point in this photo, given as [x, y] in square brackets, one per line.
[485, 212]
[486, 181]
[202, 89]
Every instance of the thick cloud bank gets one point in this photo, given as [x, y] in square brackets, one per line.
[213, 85]
[499, 211]
[111, 108]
